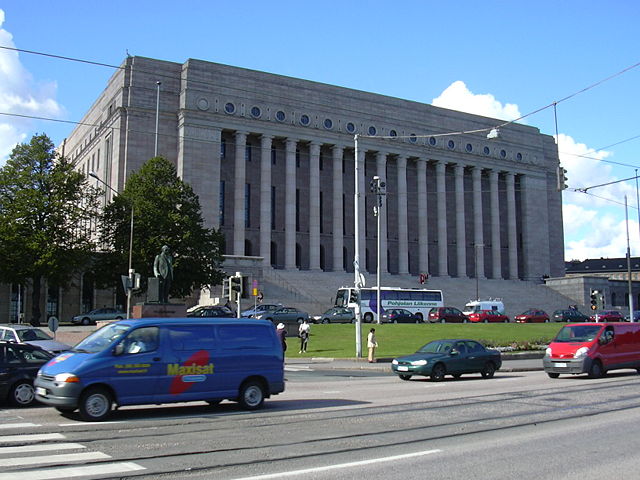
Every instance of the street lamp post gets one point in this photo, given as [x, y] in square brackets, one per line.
[477, 245]
[356, 255]
[130, 270]
[379, 188]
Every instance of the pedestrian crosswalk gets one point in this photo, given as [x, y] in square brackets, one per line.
[44, 456]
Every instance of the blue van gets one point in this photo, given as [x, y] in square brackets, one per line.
[154, 361]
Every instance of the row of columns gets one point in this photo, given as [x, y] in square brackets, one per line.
[401, 213]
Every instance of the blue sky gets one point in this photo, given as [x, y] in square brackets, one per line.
[495, 58]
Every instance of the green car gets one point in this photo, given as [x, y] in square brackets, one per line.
[448, 357]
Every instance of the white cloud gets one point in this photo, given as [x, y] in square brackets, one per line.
[606, 237]
[458, 97]
[20, 94]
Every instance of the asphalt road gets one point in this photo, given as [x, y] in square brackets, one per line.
[341, 424]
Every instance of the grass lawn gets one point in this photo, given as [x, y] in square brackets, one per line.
[338, 341]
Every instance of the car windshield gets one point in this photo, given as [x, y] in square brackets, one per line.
[578, 333]
[32, 334]
[103, 338]
[439, 346]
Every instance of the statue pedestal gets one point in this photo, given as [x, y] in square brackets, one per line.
[159, 310]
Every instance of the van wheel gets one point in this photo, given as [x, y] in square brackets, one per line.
[596, 370]
[251, 395]
[22, 394]
[405, 377]
[488, 370]
[553, 375]
[438, 372]
[95, 404]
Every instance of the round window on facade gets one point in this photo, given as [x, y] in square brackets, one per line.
[351, 127]
[432, 141]
[372, 130]
[229, 107]
[393, 133]
[280, 116]
[413, 138]
[519, 156]
[469, 147]
[451, 144]
[503, 153]
[328, 123]
[256, 112]
[305, 120]
[486, 150]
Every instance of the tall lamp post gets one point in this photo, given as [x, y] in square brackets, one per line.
[477, 245]
[380, 189]
[130, 270]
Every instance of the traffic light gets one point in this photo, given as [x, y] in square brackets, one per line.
[235, 287]
[225, 289]
[594, 299]
[562, 178]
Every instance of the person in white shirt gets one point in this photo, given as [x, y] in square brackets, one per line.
[303, 333]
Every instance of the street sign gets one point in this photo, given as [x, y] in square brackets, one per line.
[53, 324]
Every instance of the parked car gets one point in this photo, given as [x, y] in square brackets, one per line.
[399, 315]
[336, 315]
[19, 365]
[448, 357]
[636, 316]
[265, 307]
[284, 315]
[488, 316]
[569, 315]
[533, 315]
[608, 316]
[32, 336]
[446, 315]
[209, 311]
[91, 317]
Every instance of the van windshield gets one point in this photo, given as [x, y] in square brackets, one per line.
[578, 333]
[103, 338]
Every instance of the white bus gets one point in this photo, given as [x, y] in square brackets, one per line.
[417, 300]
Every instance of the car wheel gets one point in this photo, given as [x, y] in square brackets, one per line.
[438, 372]
[457, 375]
[118, 318]
[353, 320]
[22, 394]
[405, 377]
[325, 320]
[546, 320]
[553, 375]
[418, 320]
[368, 317]
[443, 320]
[466, 320]
[86, 321]
[95, 404]
[395, 320]
[486, 320]
[506, 320]
[488, 370]
[65, 410]
[596, 370]
[251, 395]
[300, 320]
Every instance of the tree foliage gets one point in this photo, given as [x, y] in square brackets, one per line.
[166, 211]
[46, 211]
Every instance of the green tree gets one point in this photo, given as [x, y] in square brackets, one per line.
[47, 209]
[166, 212]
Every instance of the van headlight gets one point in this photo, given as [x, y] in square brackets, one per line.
[419, 362]
[581, 352]
[547, 352]
[66, 378]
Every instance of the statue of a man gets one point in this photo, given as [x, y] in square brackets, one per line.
[163, 270]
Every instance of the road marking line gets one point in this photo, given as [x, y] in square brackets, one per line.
[67, 457]
[84, 424]
[39, 448]
[52, 473]
[340, 465]
[31, 438]
[19, 425]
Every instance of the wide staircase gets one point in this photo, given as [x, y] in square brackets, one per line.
[314, 292]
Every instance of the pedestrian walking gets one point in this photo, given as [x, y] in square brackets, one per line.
[303, 333]
[372, 344]
[282, 334]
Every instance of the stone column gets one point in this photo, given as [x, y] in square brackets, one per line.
[512, 227]
[403, 244]
[381, 171]
[290, 205]
[238, 193]
[495, 226]
[441, 200]
[478, 237]
[314, 206]
[423, 218]
[265, 199]
[338, 191]
[461, 234]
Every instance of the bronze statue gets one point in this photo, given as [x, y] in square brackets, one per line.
[163, 270]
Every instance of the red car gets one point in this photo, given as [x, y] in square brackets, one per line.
[608, 316]
[533, 315]
[486, 316]
[446, 315]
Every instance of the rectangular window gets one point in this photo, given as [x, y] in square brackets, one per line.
[297, 158]
[247, 153]
[321, 216]
[321, 161]
[98, 161]
[221, 202]
[273, 155]
[247, 205]
[297, 209]
[223, 148]
[344, 217]
[273, 207]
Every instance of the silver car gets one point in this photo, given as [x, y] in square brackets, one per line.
[265, 307]
[105, 313]
[32, 336]
[284, 315]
